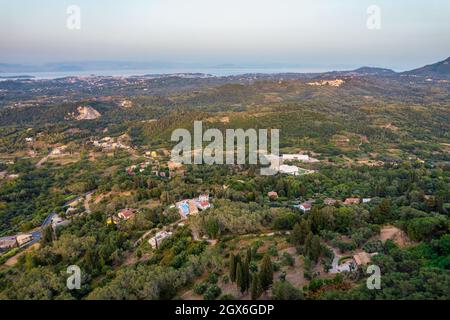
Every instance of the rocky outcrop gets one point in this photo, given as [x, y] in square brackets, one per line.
[85, 113]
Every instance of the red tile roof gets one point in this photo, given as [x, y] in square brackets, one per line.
[126, 213]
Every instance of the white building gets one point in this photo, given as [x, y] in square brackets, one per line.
[24, 238]
[297, 157]
[158, 238]
[293, 170]
[306, 206]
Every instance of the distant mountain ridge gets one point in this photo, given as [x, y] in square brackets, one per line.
[363, 71]
[439, 69]
[374, 71]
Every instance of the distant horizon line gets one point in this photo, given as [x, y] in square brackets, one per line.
[77, 68]
[98, 65]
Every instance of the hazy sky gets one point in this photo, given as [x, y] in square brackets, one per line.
[303, 32]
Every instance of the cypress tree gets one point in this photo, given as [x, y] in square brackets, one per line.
[237, 261]
[248, 257]
[308, 241]
[245, 276]
[300, 232]
[315, 250]
[232, 268]
[256, 287]
[240, 278]
[47, 236]
[266, 275]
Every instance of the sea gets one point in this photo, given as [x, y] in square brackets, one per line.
[218, 72]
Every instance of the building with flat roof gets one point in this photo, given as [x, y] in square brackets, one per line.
[7, 243]
[159, 238]
[24, 238]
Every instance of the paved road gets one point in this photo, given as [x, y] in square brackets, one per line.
[36, 238]
[335, 267]
[47, 220]
[37, 234]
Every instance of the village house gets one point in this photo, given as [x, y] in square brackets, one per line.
[272, 195]
[193, 210]
[330, 201]
[191, 206]
[350, 201]
[7, 243]
[305, 206]
[126, 214]
[366, 200]
[203, 201]
[108, 144]
[24, 239]
[158, 238]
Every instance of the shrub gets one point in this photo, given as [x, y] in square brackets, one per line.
[287, 259]
[373, 246]
[212, 292]
[200, 288]
[273, 251]
[213, 278]
[225, 279]
[253, 266]
[284, 290]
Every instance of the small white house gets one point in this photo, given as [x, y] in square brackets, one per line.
[306, 206]
[158, 238]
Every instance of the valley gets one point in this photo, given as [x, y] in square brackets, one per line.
[87, 179]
